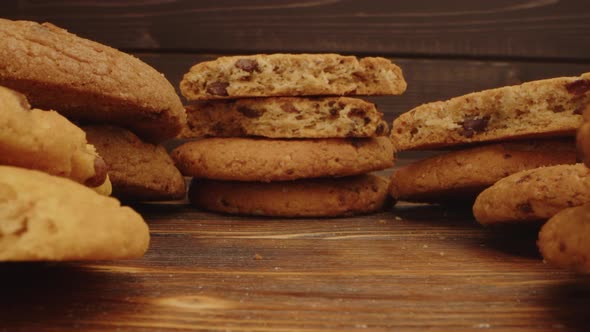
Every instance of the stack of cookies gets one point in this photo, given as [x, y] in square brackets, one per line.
[280, 137]
[525, 149]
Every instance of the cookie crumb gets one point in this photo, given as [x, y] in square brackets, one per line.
[397, 218]
[257, 257]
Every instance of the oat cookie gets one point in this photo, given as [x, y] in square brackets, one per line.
[461, 175]
[285, 117]
[44, 217]
[139, 171]
[533, 195]
[550, 107]
[87, 81]
[270, 75]
[261, 159]
[46, 141]
[325, 197]
[563, 240]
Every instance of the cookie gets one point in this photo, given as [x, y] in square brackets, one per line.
[87, 81]
[325, 197]
[139, 171]
[261, 159]
[285, 117]
[533, 195]
[563, 240]
[46, 141]
[44, 217]
[275, 75]
[550, 107]
[583, 138]
[459, 176]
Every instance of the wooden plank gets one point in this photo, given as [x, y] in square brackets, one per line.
[428, 79]
[501, 28]
[412, 268]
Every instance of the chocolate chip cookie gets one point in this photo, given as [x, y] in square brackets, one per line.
[285, 117]
[459, 176]
[533, 195]
[87, 81]
[44, 217]
[272, 75]
[139, 171]
[261, 159]
[326, 197]
[550, 107]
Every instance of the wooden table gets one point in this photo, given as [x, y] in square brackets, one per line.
[412, 267]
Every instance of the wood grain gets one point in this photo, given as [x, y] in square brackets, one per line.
[412, 268]
[453, 28]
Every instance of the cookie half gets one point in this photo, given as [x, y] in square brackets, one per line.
[461, 175]
[326, 197]
[563, 240]
[138, 171]
[285, 117]
[87, 81]
[533, 195]
[262, 159]
[46, 141]
[550, 107]
[44, 217]
[272, 75]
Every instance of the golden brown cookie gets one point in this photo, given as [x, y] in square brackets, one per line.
[44, 217]
[459, 176]
[139, 171]
[46, 141]
[261, 159]
[550, 107]
[273, 75]
[87, 81]
[533, 195]
[285, 117]
[325, 197]
[563, 240]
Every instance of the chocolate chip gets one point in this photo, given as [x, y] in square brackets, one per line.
[218, 88]
[414, 131]
[248, 65]
[558, 109]
[578, 87]
[472, 125]
[289, 108]
[334, 113]
[100, 173]
[507, 156]
[331, 103]
[525, 178]
[380, 130]
[358, 112]
[250, 112]
[525, 208]
[579, 110]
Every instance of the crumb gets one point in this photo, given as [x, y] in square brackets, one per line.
[425, 246]
[257, 257]
[382, 221]
[398, 218]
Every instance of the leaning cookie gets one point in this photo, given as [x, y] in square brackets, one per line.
[44, 217]
[87, 81]
[550, 107]
[262, 159]
[271, 75]
[533, 195]
[285, 117]
[326, 197]
[139, 171]
[46, 141]
[461, 175]
[563, 240]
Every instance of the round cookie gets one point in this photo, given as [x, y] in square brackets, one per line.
[44, 217]
[325, 197]
[87, 81]
[533, 195]
[543, 108]
[138, 171]
[46, 141]
[260, 159]
[285, 117]
[459, 176]
[275, 75]
[563, 240]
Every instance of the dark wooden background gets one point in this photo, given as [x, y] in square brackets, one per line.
[411, 268]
